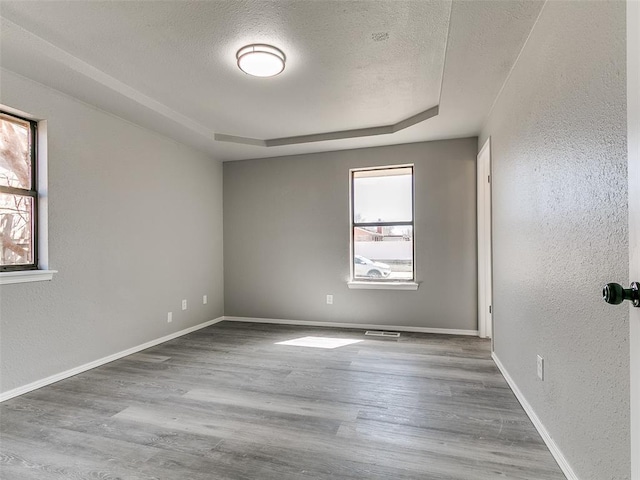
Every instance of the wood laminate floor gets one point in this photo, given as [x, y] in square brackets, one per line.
[228, 403]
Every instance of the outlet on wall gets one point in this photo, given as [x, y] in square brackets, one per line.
[540, 365]
[184, 304]
[169, 317]
[329, 299]
[204, 299]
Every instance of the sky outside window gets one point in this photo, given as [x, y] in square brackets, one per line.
[383, 195]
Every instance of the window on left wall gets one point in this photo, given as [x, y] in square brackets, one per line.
[23, 198]
[18, 193]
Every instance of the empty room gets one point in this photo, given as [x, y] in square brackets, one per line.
[320, 239]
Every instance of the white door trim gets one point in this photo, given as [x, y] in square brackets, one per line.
[485, 316]
[633, 136]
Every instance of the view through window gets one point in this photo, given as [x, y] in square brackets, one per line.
[382, 220]
[18, 195]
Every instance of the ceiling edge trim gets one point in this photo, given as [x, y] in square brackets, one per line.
[327, 136]
[221, 137]
[446, 51]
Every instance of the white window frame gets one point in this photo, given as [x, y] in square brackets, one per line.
[378, 284]
[43, 272]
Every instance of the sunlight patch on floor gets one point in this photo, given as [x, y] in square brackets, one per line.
[319, 342]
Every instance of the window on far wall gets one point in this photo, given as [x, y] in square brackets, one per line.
[382, 224]
[18, 193]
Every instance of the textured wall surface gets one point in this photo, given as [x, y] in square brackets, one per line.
[286, 237]
[558, 135]
[135, 226]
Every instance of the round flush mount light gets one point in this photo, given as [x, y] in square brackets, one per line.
[261, 60]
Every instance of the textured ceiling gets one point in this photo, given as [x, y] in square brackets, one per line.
[170, 66]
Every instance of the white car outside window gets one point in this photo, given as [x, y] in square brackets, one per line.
[365, 267]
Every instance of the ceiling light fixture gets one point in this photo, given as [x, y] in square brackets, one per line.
[261, 60]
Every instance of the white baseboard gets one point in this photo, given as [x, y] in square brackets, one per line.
[363, 326]
[553, 447]
[101, 361]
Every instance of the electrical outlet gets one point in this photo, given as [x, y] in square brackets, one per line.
[540, 365]
[184, 304]
[204, 299]
[169, 317]
[329, 299]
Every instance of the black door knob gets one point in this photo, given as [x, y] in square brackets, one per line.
[615, 294]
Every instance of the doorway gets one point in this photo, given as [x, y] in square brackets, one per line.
[485, 307]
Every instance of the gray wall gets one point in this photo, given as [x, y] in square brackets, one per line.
[135, 226]
[558, 135]
[286, 238]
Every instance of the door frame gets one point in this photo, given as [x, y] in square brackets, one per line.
[485, 259]
[633, 139]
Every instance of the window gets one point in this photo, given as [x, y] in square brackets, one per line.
[382, 225]
[24, 253]
[18, 194]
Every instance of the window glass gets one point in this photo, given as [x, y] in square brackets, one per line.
[15, 152]
[383, 195]
[382, 219]
[389, 258]
[16, 235]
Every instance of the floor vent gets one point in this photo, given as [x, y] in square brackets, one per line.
[378, 333]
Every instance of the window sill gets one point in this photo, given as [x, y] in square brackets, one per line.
[383, 285]
[25, 276]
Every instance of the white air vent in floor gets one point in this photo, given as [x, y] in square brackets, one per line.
[377, 333]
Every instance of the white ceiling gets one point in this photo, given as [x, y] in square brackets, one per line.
[170, 65]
